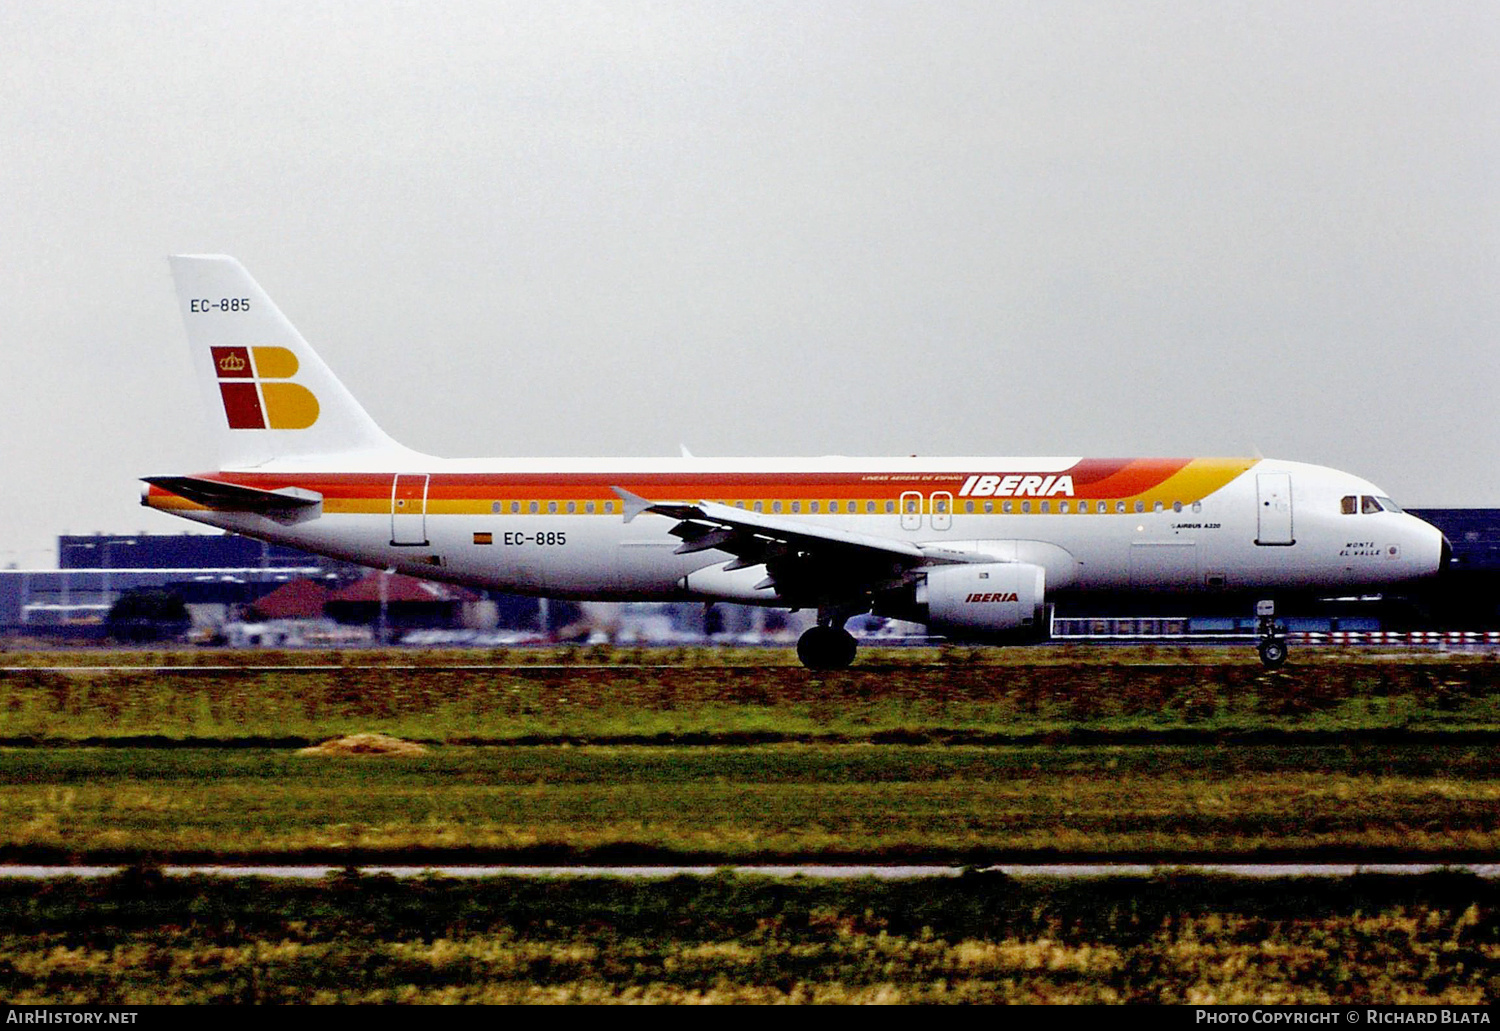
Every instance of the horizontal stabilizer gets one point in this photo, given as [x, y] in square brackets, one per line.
[231, 497]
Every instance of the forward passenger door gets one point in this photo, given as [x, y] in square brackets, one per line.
[1274, 509]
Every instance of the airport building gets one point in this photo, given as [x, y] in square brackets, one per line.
[1470, 594]
[232, 589]
[209, 572]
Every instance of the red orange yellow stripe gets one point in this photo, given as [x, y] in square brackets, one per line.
[1114, 480]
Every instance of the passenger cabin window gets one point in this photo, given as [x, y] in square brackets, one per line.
[1120, 506]
[968, 506]
[760, 506]
[812, 506]
[1046, 506]
[1176, 506]
[590, 508]
[1157, 507]
[775, 506]
[796, 506]
[1007, 507]
[551, 508]
[1349, 505]
[1062, 506]
[1197, 506]
[890, 506]
[533, 508]
[572, 507]
[989, 506]
[1025, 506]
[1140, 506]
[515, 506]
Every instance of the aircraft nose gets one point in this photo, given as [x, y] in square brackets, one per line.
[1433, 548]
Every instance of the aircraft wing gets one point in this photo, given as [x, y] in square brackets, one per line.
[801, 558]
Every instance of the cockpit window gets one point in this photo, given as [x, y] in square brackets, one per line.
[1364, 504]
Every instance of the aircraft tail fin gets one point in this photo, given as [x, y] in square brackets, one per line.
[267, 393]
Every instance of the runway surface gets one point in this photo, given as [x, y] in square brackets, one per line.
[1374, 657]
[1489, 871]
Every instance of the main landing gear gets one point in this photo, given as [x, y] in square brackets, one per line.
[1272, 643]
[826, 646]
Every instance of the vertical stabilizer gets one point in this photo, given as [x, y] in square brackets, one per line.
[268, 396]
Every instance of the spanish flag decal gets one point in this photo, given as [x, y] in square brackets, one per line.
[253, 381]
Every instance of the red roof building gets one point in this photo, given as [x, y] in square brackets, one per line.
[299, 599]
[404, 589]
[409, 602]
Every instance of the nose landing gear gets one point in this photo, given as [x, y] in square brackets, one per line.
[1272, 643]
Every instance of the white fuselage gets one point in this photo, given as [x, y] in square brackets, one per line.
[555, 528]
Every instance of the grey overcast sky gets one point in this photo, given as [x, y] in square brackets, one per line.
[762, 228]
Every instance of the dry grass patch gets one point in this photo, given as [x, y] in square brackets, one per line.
[365, 745]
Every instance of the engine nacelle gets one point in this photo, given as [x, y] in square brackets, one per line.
[987, 598]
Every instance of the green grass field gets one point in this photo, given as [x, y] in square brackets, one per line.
[971, 760]
[958, 756]
[140, 938]
[979, 696]
[783, 803]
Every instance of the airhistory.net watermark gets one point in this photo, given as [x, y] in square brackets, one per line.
[69, 1017]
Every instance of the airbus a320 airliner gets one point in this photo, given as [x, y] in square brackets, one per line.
[975, 548]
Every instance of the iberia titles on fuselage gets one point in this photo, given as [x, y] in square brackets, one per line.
[972, 547]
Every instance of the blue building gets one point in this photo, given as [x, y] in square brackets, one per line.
[1469, 596]
[94, 571]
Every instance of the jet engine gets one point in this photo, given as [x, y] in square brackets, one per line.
[986, 599]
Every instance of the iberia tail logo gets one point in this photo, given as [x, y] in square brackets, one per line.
[257, 396]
